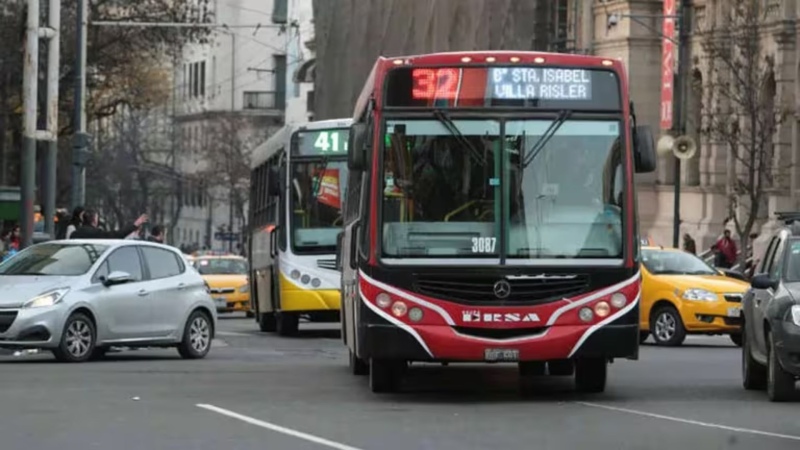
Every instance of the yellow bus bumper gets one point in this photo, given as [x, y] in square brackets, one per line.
[307, 300]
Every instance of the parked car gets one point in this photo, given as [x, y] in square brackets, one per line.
[683, 295]
[78, 298]
[771, 311]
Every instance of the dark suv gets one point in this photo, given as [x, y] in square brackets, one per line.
[771, 313]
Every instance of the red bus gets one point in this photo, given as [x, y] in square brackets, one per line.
[490, 216]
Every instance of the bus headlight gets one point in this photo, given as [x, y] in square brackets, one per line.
[315, 282]
[602, 309]
[399, 309]
[383, 300]
[586, 314]
[295, 274]
[305, 279]
[415, 314]
[618, 300]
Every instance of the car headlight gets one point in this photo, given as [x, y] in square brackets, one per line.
[47, 299]
[244, 289]
[796, 315]
[700, 294]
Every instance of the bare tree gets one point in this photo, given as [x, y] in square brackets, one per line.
[742, 115]
[228, 155]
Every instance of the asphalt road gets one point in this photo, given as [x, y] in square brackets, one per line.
[259, 391]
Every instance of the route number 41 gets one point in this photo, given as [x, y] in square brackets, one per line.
[484, 244]
[329, 142]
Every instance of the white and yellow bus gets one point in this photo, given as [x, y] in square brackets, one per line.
[298, 180]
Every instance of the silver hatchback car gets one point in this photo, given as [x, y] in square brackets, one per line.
[78, 298]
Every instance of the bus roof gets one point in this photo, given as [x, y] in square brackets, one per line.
[478, 58]
[281, 137]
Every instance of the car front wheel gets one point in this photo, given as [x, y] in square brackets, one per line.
[667, 327]
[754, 375]
[196, 336]
[780, 384]
[77, 339]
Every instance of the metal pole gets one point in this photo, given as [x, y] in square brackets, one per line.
[80, 143]
[30, 99]
[51, 156]
[681, 82]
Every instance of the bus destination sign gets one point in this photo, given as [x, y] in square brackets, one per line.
[503, 86]
[324, 142]
[528, 83]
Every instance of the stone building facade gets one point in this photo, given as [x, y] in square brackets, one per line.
[627, 29]
[351, 33]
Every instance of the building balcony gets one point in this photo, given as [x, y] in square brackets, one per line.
[261, 100]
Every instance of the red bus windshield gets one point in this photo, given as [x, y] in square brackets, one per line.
[504, 187]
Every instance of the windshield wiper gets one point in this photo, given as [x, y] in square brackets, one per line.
[445, 120]
[563, 115]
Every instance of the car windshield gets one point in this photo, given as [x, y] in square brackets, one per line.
[53, 259]
[221, 266]
[451, 189]
[317, 187]
[672, 262]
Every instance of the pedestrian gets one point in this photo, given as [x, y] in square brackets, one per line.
[157, 234]
[75, 222]
[689, 244]
[725, 249]
[90, 229]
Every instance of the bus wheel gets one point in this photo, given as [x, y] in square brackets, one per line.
[384, 375]
[590, 375]
[266, 322]
[357, 365]
[287, 323]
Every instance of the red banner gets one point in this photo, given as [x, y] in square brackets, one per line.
[668, 64]
[328, 192]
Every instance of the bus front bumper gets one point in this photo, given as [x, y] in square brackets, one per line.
[381, 339]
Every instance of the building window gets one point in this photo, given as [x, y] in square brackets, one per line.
[280, 11]
[202, 78]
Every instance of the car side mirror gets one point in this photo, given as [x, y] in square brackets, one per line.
[763, 281]
[644, 149]
[116, 277]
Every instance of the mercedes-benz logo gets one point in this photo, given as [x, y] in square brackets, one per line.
[502, 289]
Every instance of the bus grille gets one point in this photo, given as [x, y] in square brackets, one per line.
[480, 289]
[329, 264]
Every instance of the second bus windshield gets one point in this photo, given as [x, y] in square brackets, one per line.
[316, 190]
[451, 193]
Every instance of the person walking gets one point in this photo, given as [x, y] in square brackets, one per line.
[689, 244]
[726, 251]
[75, 222]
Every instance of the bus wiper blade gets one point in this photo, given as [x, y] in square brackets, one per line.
[551, 130]
[445, 119]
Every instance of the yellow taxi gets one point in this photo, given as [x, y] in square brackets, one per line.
[227, 278]
[682, 295]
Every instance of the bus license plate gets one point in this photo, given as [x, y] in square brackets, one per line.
[500, 354]
[734, 312]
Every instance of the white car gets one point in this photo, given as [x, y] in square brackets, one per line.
[77, 298]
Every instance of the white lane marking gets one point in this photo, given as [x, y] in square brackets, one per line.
[278, 428]
[691, 422]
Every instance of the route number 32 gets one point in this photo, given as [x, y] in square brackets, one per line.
[484, 244]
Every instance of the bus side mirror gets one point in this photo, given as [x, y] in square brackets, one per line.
[354, 245]
[275, 178]
[644, 149]
[339, 249]
[357, 152]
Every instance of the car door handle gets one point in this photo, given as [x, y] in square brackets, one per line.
[181, 286]
[143, 293]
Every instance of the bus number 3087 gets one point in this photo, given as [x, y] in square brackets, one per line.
[484, 244]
